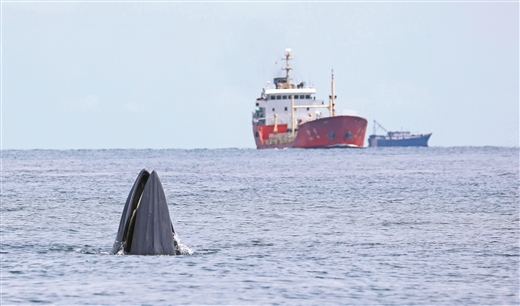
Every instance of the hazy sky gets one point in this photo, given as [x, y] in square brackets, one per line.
[186, 75]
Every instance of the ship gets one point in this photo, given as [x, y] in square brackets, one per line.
[287, 115]
[397, 138]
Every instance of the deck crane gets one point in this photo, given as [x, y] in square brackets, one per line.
[376, 124]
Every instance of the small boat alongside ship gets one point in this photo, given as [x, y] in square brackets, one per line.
[397, 139]
[287, 116]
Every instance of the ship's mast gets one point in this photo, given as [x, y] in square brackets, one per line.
[287, 84]
[332, 97]
[287, 68]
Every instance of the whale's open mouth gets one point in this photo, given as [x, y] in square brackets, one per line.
[145, 227]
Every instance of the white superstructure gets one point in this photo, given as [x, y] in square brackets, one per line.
[278, 101]
[286, 103]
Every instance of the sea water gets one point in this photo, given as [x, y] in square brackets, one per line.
[369, 226]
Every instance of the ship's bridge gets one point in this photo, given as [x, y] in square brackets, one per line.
[295, 91]
[278, 102]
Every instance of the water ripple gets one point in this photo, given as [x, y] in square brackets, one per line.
[383, 226]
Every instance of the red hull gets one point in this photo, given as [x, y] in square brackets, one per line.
[338, 131]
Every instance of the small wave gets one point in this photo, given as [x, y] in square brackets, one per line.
[207, 251]
[185, 250]
[91, 251]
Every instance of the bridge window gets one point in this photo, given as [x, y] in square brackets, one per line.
[278, 97]
[286, 109]
[284, 97]
[302, 97]
[296, 97]
[273, 97]
[307, 96]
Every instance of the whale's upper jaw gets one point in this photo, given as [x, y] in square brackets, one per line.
[145, 227]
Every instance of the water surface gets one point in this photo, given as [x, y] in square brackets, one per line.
[371, 226]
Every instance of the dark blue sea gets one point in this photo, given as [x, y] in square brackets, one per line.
[435, 226]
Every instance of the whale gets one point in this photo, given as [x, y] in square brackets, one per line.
[145, 227]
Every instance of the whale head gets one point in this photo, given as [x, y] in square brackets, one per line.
[145, 227]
